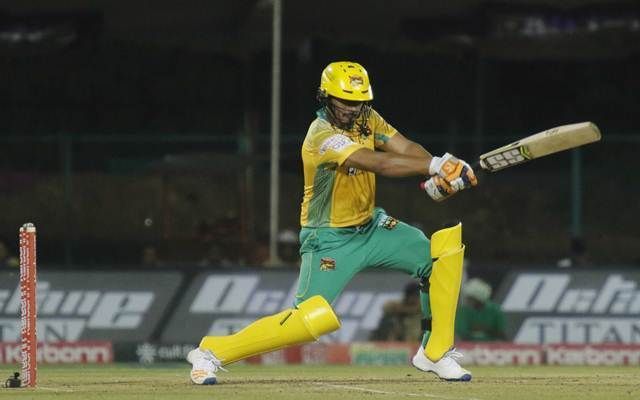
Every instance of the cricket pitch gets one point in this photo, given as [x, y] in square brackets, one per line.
[309, 382]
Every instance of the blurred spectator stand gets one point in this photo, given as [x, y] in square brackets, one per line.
[478, 318]
[401, 320]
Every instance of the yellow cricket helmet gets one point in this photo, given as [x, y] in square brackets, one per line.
[346, 80]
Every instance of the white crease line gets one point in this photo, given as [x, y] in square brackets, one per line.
[54, 389]
[433, 396]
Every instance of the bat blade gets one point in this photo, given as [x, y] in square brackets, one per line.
[551, 141]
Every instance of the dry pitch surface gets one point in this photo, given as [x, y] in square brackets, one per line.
[128, 381]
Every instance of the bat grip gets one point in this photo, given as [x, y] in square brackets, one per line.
[478, 170]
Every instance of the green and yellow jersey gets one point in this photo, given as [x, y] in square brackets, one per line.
[336, 196]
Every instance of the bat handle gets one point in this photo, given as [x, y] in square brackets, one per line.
[478, 169]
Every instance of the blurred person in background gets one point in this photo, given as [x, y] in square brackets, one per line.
[343, 232]
[578, 255]
[479, 319]
[401, 320]
[258, 254]
[214, 247]
[215, 258]
[149, 257]
[7, 260]
[288, 246]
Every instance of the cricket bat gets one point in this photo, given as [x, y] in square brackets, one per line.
[551, 141]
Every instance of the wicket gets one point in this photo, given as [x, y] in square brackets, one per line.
[28, 310]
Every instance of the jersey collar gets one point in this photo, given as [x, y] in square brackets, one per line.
[322, 114]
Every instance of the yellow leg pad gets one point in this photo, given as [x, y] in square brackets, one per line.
[307, 322]
[446, 276]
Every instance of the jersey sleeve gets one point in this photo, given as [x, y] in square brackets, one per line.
[382, 130]
[332, 147]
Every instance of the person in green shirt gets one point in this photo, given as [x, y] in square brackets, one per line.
[478, 318]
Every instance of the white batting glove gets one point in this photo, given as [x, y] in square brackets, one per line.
[437, 188]
[458, 173]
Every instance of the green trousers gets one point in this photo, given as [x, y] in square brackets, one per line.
[331, 257]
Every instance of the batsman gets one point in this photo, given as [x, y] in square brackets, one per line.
[343, 232]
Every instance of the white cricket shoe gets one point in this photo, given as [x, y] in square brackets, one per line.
[204, 366]
[446, 368]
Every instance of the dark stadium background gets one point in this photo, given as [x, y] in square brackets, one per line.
[131, 128]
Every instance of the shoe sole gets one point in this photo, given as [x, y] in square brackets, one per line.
[463, 378]
[212, 380]
[209, 381]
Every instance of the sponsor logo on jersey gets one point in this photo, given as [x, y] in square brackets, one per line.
[335, 143]
[389, 223]
[351, 171]
[327, 264]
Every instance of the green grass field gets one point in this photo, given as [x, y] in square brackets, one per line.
[171, 381]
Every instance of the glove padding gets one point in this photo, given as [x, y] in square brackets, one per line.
[437, 188]
[458, 174]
